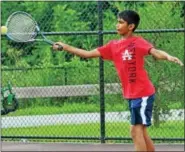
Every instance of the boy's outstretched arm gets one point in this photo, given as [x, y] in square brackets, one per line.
[79, 52]
[162, 55]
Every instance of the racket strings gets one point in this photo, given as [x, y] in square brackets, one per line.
[21, 27]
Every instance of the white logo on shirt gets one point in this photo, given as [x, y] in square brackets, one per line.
[126, 55]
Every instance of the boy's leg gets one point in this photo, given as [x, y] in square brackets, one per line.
[137, 134]
[141, 113]
[148, 141]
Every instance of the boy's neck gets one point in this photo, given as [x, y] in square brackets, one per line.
[126, 36]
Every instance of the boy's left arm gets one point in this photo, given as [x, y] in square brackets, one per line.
[162, 55]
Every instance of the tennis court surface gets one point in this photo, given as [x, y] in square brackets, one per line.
[11, 146]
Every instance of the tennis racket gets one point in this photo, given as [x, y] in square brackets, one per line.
[23, 28]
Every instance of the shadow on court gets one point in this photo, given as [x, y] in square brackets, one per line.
[10, 146]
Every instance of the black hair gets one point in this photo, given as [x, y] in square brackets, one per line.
[131, 17]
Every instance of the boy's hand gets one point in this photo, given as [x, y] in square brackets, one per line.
[58, 46]
[174, 59]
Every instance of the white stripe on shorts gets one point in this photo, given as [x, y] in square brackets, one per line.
[142, 110]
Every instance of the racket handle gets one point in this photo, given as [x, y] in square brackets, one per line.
[60, 47]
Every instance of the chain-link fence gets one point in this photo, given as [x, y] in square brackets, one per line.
[63, 97]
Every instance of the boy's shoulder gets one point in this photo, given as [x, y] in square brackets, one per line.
[114, 41]
[143, 39]
[140, 40]
[136, 39]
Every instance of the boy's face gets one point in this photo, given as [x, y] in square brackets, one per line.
[123, 27]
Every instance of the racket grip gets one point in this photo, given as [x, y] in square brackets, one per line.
[60, 47]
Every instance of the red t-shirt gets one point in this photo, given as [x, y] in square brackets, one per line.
[128, 58]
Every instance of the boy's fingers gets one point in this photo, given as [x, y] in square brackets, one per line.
[55, 47]
[179, 62]
[176, 60]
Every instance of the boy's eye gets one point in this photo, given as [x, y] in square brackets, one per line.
[120, 21]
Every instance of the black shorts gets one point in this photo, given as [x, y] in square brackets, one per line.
[141, 110]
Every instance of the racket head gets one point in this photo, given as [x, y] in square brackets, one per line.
[21, 27]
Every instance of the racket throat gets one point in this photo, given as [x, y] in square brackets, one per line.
[37, 28]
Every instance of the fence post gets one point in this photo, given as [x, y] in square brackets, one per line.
[184, 30]
[101, 74]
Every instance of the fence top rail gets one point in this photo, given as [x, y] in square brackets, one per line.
[111, 32]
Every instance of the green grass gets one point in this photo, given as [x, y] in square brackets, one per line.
[66, 108]
[39, 109]
[170, 129]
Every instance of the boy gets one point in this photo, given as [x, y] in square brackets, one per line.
[127, 55]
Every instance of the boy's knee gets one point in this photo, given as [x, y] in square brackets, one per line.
[136, 132]
[132, 132]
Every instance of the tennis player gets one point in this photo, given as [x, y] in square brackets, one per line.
[128, 54]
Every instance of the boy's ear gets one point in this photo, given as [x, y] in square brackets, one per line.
[131, 26]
